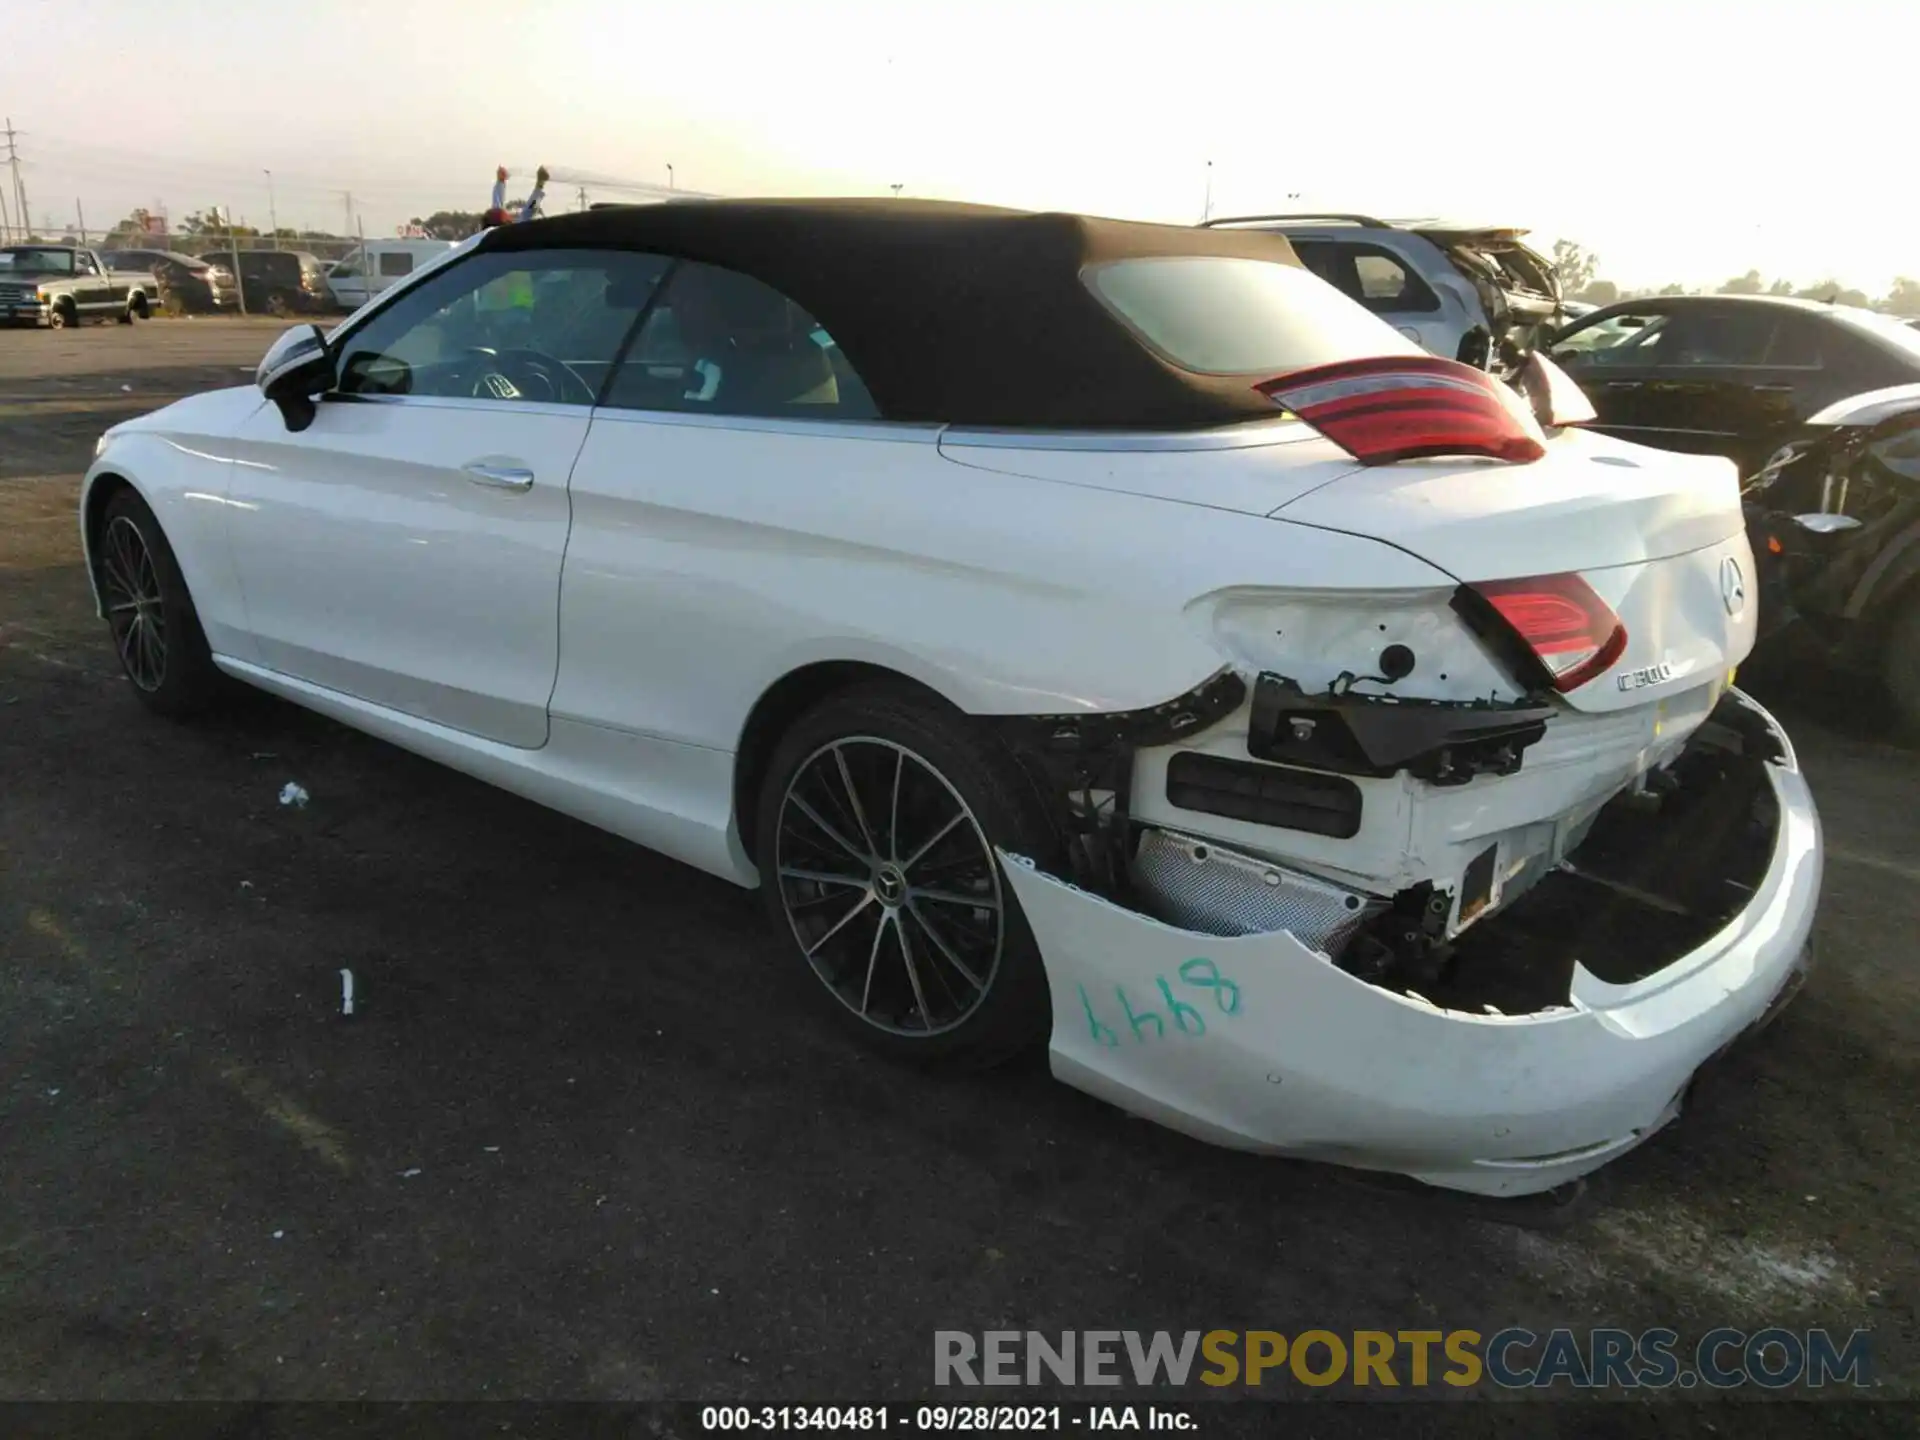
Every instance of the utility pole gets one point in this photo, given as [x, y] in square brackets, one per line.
[6, 218]
[669, 177]
[19, 186]
[239, 280]
[81, 216]
[896, 190]
[348, 194]
[583, 197]
[1206, 213]
[273, 210]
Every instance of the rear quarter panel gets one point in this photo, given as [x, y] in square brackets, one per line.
[709, 559]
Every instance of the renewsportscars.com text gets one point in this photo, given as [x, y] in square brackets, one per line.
[1513, 1358]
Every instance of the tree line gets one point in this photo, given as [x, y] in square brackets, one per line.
[1579, 272]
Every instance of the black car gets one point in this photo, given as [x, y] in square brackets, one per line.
[1731, 375]
[1835, 522]
[186, 281]
[280, 282]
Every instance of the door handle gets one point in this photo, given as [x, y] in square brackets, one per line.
[1773, 389]
[500, 477]
[1624, 384]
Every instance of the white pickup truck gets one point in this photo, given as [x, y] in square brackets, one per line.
[63, 285]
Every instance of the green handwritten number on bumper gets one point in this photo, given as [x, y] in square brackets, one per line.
[1149, 1024]
[1203, 974]
[1102, 1034]
[1190, 1020]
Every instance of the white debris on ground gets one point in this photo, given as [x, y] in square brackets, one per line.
[294, 794]
[346, 992]
[1623, 1246]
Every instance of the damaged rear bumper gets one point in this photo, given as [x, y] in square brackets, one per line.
[1260, 1043]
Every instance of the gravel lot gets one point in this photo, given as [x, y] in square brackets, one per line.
[580, 1141]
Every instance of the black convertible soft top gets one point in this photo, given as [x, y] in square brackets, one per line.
[951, 313]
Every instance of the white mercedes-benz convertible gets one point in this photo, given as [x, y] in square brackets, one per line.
[1081, 631]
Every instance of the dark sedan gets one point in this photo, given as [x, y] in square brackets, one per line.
[186, 281]
[1729, 375]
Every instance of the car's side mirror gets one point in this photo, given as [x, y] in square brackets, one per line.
[297, 367]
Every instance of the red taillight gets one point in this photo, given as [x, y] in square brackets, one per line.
[1556, 397]
[1402, 407]
[1569, 629]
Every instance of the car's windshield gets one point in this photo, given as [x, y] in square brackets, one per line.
[43, 260]
[1887, 329]
[1228, 316]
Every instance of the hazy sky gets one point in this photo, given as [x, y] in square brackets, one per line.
[1685, 140]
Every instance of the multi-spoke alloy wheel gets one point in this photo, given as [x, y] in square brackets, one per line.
[156, 631]
[890, 886]
[136, 612]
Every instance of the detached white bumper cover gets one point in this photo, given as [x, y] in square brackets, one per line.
[1258, 1043]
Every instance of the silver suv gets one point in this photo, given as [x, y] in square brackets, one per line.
[1467, 292]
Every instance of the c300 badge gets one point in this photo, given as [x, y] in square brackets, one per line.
[1642, 678]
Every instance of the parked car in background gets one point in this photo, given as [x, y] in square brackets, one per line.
[1472, 293]
[1572, 310]
[1729, 375]
[1037, 609]
[63, 285]
[186, 282]
[1836, 527]
[366, 271]
[279, 282]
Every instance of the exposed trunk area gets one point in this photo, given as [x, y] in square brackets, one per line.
[1661, 870]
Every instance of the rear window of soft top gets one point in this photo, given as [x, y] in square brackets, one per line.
[1221, 315]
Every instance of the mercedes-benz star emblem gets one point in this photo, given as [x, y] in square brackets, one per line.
[1733, 586]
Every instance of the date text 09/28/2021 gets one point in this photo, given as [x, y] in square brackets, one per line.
[960, 1419]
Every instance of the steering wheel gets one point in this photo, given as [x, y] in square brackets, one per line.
[523, 374]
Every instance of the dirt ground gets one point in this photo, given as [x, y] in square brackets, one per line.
[580, 1141]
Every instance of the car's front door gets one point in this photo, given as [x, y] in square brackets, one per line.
[1615, 358]
[406, 548]
[94, 287]
[1717, 391]
[347, 281]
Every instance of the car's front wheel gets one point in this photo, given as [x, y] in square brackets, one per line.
[878, 823]
[156, 631]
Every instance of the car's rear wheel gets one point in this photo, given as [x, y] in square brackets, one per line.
[1900, 665]
[280, 304]
[877, 828]
[156, 631]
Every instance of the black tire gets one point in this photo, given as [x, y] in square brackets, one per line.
[148, 604]
[63, 316]
[1900, 665]
[280, 304]
[136, 308]
[926, 1011]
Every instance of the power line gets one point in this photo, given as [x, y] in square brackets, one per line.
[19, 186]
